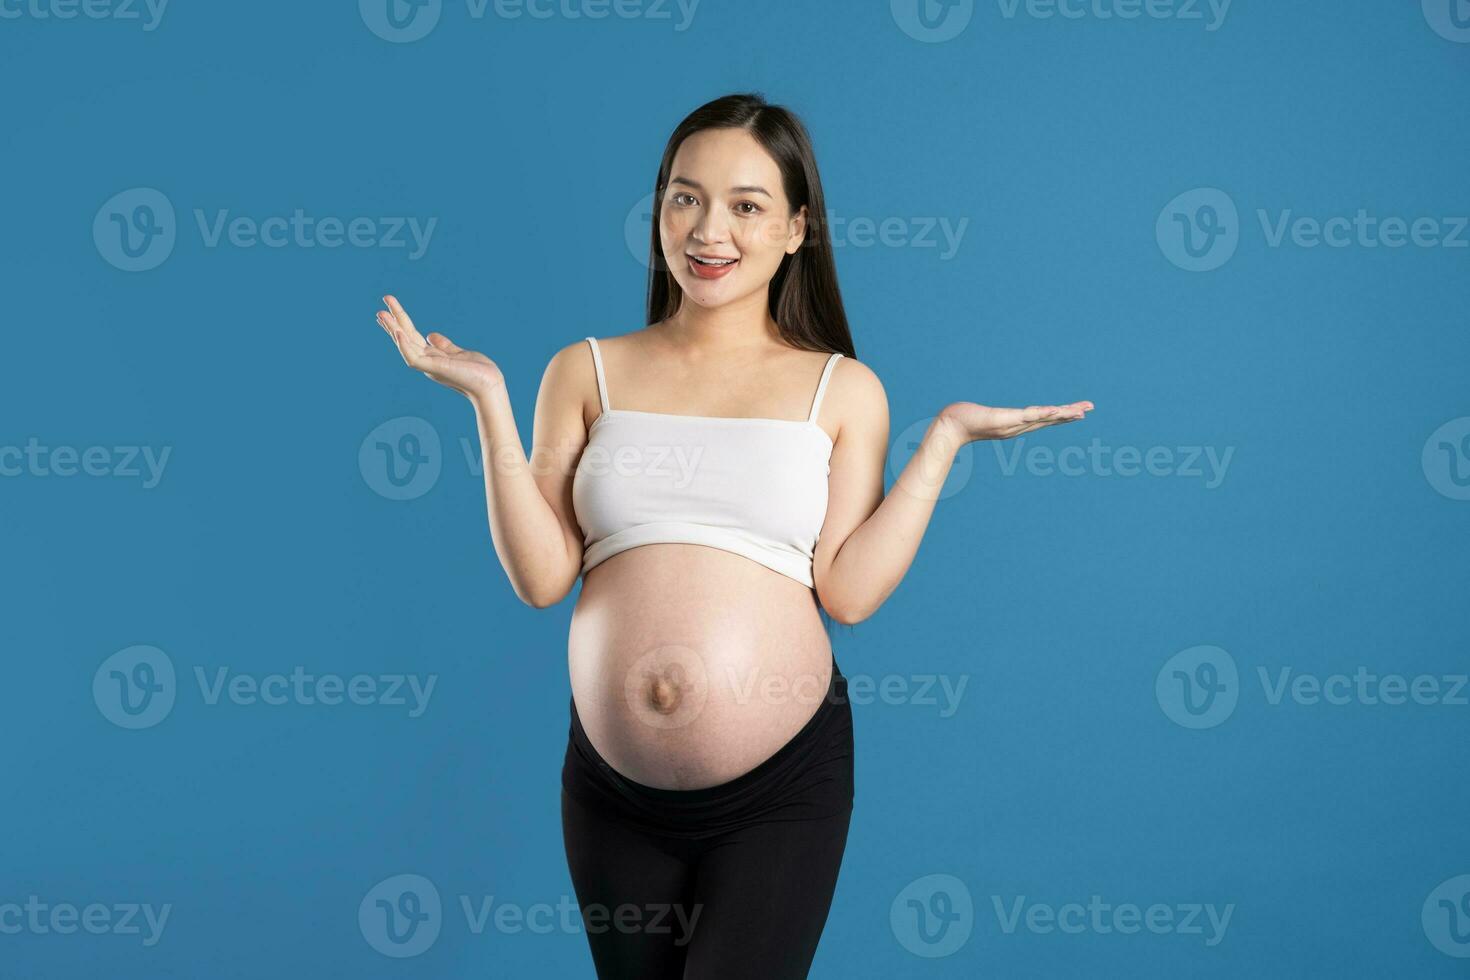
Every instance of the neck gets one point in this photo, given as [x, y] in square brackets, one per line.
[741, 325]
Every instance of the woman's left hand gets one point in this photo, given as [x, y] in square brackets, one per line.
[971, 422]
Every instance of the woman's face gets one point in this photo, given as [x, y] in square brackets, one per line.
[725, 201]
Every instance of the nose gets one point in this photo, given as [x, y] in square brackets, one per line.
[713, 227]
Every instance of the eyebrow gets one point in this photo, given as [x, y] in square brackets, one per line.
[742, 189]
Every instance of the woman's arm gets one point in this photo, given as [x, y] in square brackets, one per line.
[529, 502]
[869, 540]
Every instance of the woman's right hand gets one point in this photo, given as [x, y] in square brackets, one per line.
[468, 372]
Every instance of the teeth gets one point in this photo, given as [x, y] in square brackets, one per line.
[711, 261]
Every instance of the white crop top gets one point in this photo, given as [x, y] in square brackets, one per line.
[756, 487]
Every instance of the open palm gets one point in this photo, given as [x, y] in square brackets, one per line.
[468, 372]
[973, 422]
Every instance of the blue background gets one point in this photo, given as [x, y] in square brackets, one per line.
[265, 546]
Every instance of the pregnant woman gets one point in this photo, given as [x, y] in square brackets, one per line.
[716, 481]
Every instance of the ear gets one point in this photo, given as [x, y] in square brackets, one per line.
[798, 231]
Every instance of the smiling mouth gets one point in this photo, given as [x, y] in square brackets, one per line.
[712, 263]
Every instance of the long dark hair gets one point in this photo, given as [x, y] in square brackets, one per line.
[804, 299]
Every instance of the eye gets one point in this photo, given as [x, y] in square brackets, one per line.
[754, 208]
[678, 195]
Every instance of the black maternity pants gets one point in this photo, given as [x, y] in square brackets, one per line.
[729, 882]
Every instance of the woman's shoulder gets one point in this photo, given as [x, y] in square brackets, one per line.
[579, 348]
[855, 375]
[854, 390]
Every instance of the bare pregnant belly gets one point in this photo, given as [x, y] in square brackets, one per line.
[690, 666]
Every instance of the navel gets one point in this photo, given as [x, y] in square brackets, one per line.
[667, 687]
[665, 693]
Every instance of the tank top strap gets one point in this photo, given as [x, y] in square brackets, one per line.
[601, 378]
[822, 386]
